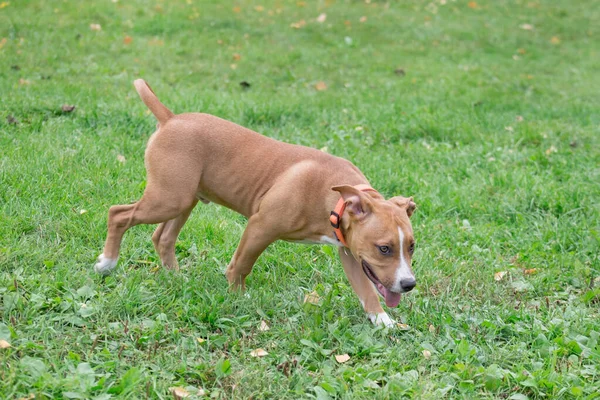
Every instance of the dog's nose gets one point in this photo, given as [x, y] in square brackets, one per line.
[408, 284]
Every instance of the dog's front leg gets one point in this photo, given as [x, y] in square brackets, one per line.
[364, 289]
[256, 238]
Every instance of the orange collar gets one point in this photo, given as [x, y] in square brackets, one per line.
[335, 217]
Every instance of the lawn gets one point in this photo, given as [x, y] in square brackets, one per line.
[486, 112]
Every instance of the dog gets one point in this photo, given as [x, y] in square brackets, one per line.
[287, 192]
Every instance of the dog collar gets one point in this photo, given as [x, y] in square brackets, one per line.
[335, 217]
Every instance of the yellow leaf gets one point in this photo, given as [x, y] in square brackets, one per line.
[233, 66]
[321, 18]
[121, 158]
[258, 353]
[4, 344]
[527, 27]
[263, 326]
[555, 40]
[521, 51]
[4, 4]
[472, 4]
[320, 86]
[24, 82]
[259, 8]
[402, 326]
[179, 392]
[2, 42]
[299, 24]
[312, 298]
[498, 276]
[342, 358]
[127, 40]
[426, 354]
[551, 150]
[236, 9]
[530, 271]
[95, 27]
[200, 340]
[363, 19]
[236, 57]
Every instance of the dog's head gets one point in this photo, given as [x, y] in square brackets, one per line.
[380, 236]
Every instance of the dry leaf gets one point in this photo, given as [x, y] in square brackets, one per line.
[233, 66]
[527, 27]
[67, 108]
[200, 340]
[342, 358]
[299, 24]
[236, 9]
[551, 150]
[324, 149]
[521, 51]
[555, 40]
[95, 27]
[121, 158]
[259, 8]
[301, 4]
[363, 19]
[519, 118]
[431, 328]
[127, 40]
[402, 326]
[530, 271]
[179, 392]
[263, 326]
[82, 211]
[426, 354]
[321, 86]
[321, 18]
[472, 4]
[24, 82]
[4, 4]
[30, 397]
[312, 298]
[201, 392]
[4, 344]
[2, 42]
[258, 353]
[236, 57]
[509, 128]
[498, 276]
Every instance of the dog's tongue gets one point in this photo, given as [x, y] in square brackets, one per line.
[391, 299]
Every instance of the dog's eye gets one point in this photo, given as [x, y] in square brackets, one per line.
[411, 248]
[385, 250]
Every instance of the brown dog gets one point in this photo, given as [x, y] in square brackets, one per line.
[286, 191]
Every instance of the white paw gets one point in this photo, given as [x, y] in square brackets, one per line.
[381, 319]
[104, 265]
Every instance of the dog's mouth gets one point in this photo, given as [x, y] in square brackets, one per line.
[392, 299]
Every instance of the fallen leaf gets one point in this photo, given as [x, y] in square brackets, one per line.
[66, 108]
[363, 19]
[320, 86]
[521, 51]
[259, 8]
[551, 150]
[236, 9]
[299, 24]
[3, 42]
[509, 128]
[431, 328]
[121, 158]
[95, 27]
[347, 23]
[402, 326]
[519, 118]
[427, 354]
[236, 57]
[4, 344]
[179, 392]
[200, 340]
[82, 211]
[342, 358]
[527, 27]
[156, 42]
[263, 326]
[233, 66]
[498, 276]
[555, 40]
[127, 40]
[258, 353]
[530, 271]
[30, 397]
[321, 18]
[472, 4]
[312, 298]
[301, 4]
[24, 82]
[4, 4]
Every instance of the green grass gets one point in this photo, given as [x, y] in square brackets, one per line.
[494, 129]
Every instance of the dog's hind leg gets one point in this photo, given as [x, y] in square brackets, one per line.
[165, 236]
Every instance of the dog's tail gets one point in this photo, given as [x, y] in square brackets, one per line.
[162, 113]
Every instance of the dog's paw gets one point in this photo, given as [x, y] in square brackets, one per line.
[104, 265]
[382, 319]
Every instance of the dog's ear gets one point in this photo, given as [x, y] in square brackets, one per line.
[406, 203]
[357, 203]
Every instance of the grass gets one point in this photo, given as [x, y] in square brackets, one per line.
[492, 125]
